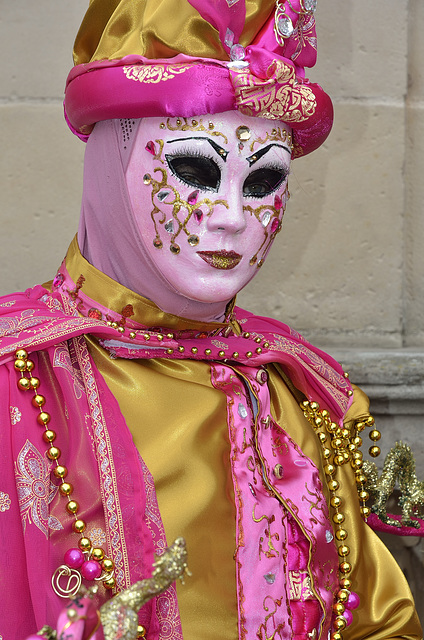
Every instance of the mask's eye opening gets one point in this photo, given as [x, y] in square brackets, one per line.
[263, 182]
[195, 171]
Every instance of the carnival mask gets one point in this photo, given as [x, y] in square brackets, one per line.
[208, 195]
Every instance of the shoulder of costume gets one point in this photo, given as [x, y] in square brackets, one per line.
[36, 319]
[313, 371]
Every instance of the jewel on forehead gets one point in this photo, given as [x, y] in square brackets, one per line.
[150, 147]
[147, 178]
[192, 198]
[243, 133]
[169, 226]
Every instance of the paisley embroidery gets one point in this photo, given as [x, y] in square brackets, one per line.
[15, 415]
[35, 490]
[67, 359]
[5, 503]
[154, 73]
[27, 319]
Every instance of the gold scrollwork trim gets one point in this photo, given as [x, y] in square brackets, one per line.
[154, 73]
[278, 97]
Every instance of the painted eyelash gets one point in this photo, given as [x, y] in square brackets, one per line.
[196, 153]
[275, 167]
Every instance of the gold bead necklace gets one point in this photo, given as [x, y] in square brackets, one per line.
[341, 446]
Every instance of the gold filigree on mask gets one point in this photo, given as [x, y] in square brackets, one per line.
[168, 196]
[270, 217]
[277, 135]
[154, 73]
[191, 124]
[157, 155]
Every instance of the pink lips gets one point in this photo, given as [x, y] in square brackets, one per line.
[220, 259]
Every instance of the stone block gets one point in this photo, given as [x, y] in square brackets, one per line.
[362, 49]
[414, 226]
[37, 40]
[335, 273]
[40, 193]
[416, 51]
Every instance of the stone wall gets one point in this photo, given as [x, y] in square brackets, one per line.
[348, 268]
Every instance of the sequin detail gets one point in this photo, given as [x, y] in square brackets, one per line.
[15, 415]
[5, 503]
[242, 411]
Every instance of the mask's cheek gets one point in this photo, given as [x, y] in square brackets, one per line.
[269, 216]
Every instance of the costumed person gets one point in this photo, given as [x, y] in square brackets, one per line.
[139, 403]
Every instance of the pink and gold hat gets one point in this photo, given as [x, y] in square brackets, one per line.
[185, 58]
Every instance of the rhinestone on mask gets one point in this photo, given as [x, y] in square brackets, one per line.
[198, 215]
[162, 195]
[243, 133]
[193, 240]
[169, 226]
[266, 218]
[192, 198]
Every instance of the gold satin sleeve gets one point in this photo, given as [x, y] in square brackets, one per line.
[112, 29]
[387, 610]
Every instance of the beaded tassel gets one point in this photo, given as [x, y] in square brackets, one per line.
[341, 446]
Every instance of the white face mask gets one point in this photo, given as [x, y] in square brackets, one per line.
[208, 195]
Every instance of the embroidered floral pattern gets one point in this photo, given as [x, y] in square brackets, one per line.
[305, 34]
[97, 537]
[154, 73]
[5, 503]
[35, 490]
[15, 415]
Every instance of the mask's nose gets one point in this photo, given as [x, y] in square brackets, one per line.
[229, 217]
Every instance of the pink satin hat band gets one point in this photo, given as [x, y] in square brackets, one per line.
[135, 87]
